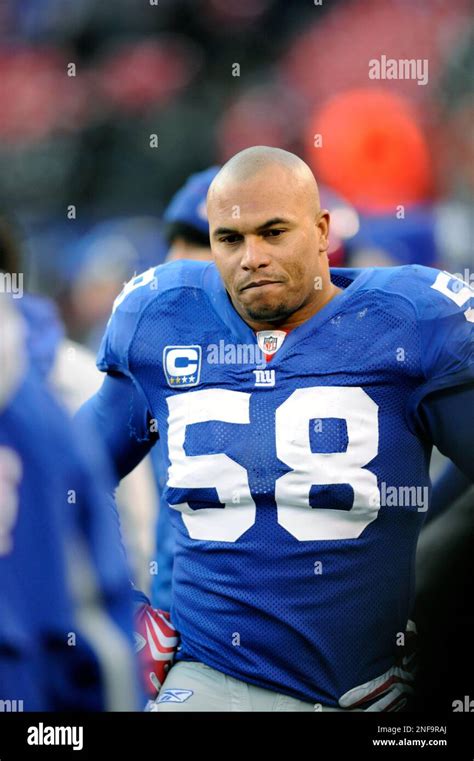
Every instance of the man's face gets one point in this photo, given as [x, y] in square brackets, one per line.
[268, 243]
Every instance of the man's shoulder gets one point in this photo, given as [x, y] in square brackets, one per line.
[167, 294]
[412, 284]
[156, 282]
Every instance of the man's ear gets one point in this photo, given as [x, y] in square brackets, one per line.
[322, 222]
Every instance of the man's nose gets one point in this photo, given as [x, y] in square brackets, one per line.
[255, 254]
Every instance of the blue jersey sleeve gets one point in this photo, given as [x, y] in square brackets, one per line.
[445, 316]
[119, 414]
[131, 303]
[120, 411]
[127, 309]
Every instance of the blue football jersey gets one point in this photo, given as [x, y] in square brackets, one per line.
[298, 488]
[44, 331]
[64, 593]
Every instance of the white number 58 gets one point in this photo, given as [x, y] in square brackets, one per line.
[292, 490]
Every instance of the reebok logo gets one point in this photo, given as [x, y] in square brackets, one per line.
[174, 696]
[139, 642]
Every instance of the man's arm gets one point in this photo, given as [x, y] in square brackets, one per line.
[448, 487]
[116, 417]
[447, 419]
[119, 414]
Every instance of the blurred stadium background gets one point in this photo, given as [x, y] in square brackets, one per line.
[168, 68]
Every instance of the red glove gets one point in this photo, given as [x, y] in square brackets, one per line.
[156, 640]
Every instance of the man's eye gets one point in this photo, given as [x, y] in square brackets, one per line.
[273, 233]
[230, 239]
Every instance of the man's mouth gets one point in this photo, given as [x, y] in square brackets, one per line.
[260, 284]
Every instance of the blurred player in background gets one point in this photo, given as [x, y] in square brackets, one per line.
[261, 491]
[67, 367]
[65, 625]
[186, 225]
[70, 372]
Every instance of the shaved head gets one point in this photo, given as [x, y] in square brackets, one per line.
[259, 158]
[269, 237]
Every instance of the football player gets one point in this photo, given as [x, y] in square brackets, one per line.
[298, 481]
[65, 625]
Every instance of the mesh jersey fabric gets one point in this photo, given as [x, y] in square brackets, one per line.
[303, 581]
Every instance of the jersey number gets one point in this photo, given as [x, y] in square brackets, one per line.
[453, 287]
[293, 448]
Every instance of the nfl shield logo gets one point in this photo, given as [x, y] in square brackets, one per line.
[269, 341]
[269, 344]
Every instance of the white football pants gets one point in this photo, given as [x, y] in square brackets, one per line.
[192, 686]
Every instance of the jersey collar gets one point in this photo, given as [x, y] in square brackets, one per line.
[222, 305]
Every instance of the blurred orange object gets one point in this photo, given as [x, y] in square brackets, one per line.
[370, 149]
